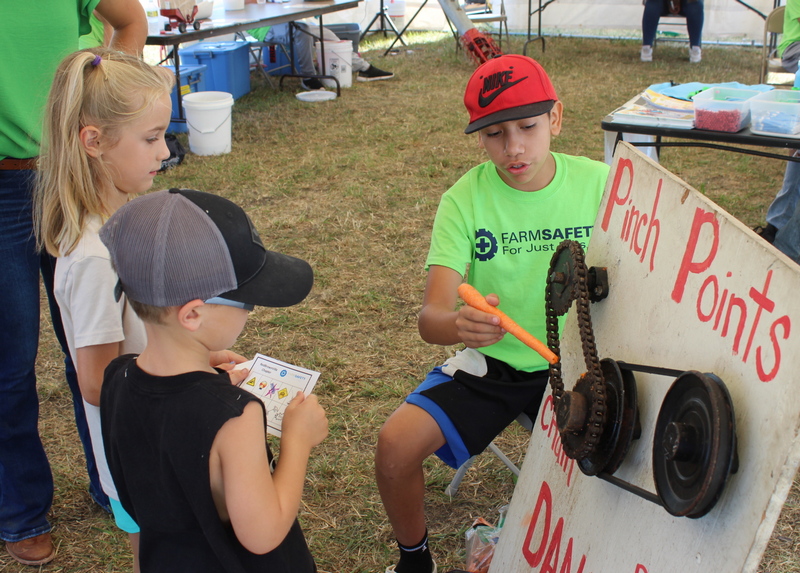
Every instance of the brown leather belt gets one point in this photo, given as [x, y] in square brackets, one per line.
[9, 164]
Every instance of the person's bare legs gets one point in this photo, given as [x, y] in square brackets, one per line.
[408, 437]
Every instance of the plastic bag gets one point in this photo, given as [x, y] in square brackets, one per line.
[481, 540]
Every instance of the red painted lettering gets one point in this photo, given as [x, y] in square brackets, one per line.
[640, 568]
[549, 425]
[624, 166]
[763, 303]
[689, 265]
[655, 225]
[543, 502]
[548, 551]
[550, 564]
[786, 325]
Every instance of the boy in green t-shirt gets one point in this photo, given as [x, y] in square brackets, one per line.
[497, 226]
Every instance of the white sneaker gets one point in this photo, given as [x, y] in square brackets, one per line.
[647, 54]
[695, 54]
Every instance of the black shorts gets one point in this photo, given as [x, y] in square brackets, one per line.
[471, 410]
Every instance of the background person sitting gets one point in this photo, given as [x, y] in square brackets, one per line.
[304, 37]
[655, 9]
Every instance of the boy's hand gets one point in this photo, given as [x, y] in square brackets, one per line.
[218, 357]
[227, 360]
[304, 421]
[477, 328]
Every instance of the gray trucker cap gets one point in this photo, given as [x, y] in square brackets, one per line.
[171, 247]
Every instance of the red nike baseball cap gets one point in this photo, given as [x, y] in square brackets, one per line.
[507, 88]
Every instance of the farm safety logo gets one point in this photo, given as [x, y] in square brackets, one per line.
[485, 245]
[488, 245]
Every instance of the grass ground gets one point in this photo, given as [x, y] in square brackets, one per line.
[352, 186]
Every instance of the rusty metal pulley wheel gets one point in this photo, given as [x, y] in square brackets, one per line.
[694, 446]
[622, 421]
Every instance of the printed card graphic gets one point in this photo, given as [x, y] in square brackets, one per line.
[276, 383]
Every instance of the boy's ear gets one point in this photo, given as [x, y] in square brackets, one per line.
[556, 114]
[90, 140]
[189, 316]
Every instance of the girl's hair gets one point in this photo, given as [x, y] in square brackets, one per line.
[98, 87]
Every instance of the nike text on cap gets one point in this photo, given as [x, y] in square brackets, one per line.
[507, 88]
[171, 247]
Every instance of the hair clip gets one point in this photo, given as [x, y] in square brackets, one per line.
[96, 61]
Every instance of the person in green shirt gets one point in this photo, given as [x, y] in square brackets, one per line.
[496, 229]
[29, 64]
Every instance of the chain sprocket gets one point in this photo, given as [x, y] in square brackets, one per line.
[568, 281]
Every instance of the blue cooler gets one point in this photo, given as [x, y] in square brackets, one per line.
[228, 65]
[192, 80]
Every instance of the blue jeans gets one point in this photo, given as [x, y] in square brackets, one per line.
[654, 9]
[26, 482]
[783, 205]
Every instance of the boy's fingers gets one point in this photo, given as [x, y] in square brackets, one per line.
[237, 376]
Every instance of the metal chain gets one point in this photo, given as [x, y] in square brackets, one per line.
[580, 294]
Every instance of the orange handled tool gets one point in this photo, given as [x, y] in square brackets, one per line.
[472, 297]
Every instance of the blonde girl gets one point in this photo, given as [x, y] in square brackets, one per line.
[103, 143]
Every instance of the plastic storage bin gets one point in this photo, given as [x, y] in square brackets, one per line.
[275, 61]
[350, 32]
[228, 65]
[192, 80]
[776, 111]
[722, 109]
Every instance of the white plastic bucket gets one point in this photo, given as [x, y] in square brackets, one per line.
[338, 62]
[234, 5]
[397, 12]
[208, 115]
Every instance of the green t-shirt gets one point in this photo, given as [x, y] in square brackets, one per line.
[94, 38]
[791, 26]
[34, 38]
[507, 238]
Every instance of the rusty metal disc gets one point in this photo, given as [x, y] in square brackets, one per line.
[694, 446]
[562, 278]
[621, 424]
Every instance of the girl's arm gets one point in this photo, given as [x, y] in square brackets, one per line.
[262, 506]
[129, 21]
[440, 323]
[91, 363]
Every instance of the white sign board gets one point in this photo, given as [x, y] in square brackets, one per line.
[691, 288]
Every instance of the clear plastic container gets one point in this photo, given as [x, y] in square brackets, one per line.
[776, 111]
[722, 109]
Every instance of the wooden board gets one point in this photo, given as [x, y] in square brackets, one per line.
[691, 288]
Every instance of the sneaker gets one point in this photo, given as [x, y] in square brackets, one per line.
[695, 54]
[36, 550]
[767, 233]
[373, 74]
[311, 84]
[390, 569]
[647, 54]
